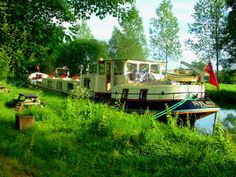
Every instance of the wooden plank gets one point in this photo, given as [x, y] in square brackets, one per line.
[26, 95]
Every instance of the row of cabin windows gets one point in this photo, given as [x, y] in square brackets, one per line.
[142, 94]
[70, 86]
[118, 68]
[131, 67]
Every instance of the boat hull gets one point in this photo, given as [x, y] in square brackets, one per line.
[191, 110]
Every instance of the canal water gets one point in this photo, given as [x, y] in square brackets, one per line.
[206, 123]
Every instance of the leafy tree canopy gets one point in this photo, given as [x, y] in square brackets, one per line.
[31, 30]
[164, 37]
[81, 52]
[128, 41]
[80, 31]
[207, 29]
[230, 39]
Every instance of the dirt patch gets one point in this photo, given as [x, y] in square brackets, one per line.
[10, 167]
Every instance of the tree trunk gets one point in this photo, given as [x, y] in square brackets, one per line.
[217, 54]
[166, 65]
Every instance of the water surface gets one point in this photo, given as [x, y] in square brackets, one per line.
[207, 122]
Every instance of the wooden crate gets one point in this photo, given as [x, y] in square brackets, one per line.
[24, 121]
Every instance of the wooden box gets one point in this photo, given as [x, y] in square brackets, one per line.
[24, 121]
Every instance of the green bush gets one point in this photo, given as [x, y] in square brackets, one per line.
[229, 125]
[81, 52]
[226, 96]
[4, 67]
[228, 76]
[79, 93]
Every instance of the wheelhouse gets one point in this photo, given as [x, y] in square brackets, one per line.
[124, 71]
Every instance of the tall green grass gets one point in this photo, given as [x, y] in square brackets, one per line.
[80, 138]
[225, 97]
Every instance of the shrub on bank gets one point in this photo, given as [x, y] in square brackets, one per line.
[225, 97]
[228, 76]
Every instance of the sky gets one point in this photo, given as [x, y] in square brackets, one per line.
[182, 9]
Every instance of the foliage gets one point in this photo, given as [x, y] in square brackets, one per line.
[172, 121]
[84, 9]
[79, 31]
[219, 131]
[207, 29]
[79, 138]
[31, 31]
[226, 96]
[129, 42]
[164, 37]
[81, 51]
[120, 105]
[229, 125]
[26, 112]
[4, 64]
[79, 93]
[228, 76]
[27, 38]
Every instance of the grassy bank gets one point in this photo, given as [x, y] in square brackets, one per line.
[225, 98]
[74, 138]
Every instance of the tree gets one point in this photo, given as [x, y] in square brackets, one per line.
[27, 34]
[129, 41]
[32, 30]
[81, 52]
[80, 31]
[207, 29]
[84, 9]
[164, 39]
[229, 41]
[4, 64]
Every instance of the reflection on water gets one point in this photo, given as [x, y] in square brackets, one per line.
[207, 122]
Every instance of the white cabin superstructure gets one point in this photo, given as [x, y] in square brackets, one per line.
[130, 80]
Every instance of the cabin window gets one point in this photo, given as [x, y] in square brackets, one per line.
[87, 83]
[108, 68]
[125, 93]
[70, 86]
[101, 68]
[143, 94]
[144, 68]
[155, 69]
[118, 68]
[132, 67]
[59, 85]
[50, 84]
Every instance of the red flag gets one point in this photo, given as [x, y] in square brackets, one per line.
[212, 77]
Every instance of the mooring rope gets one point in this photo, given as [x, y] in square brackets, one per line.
[190, 97]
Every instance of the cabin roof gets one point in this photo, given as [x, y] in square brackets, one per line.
[135, 60]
